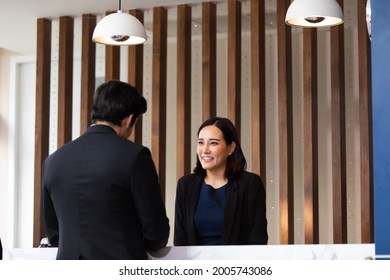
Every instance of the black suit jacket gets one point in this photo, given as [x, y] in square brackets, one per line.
[245, 220]
[101, 198]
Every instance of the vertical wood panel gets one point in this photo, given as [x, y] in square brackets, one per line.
[42, 116]
[183, 98]
[65, 81]
[339, 176]
[135, 74]
[112, 61]
[234, 63]
[258, 88]
[365, 105]
[285, 112]
[209, 60]
[310, 136]
[88, 63]
[159, 91]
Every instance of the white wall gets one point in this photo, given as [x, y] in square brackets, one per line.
[17, 148]
[4, 120]
[24, 153]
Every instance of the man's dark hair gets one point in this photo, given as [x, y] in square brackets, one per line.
[236, 162]
[115, 100]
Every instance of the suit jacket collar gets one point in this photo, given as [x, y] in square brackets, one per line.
[100, 128]
[192, 200]
[230, 210]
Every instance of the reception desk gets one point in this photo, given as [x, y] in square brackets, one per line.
[265, 252]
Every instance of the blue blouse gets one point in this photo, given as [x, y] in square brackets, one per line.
[208, 217]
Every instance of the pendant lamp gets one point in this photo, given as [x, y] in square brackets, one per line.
[314, 13]
[119, 29]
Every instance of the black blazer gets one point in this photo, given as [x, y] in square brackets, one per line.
[101, 198]
[245, 220]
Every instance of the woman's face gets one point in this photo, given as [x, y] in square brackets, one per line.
[212, 149]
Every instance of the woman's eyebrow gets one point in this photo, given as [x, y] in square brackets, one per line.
[210, 139]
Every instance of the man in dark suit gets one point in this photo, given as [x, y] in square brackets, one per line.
[100, 193]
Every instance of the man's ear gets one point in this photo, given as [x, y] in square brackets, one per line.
[127, 121]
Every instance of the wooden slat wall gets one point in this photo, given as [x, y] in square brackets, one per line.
[65, 81]
[88, 76]
[234, 63]
[338, 134]
[42, 116]
[286, 161]
[310, 136]
[209, 60]
[366, 168]
[135, 74]
[183, 95]
[209, 94]
[258, 72]
[159, 92]
[112, 61]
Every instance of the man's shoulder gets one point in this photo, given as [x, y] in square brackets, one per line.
[115, 142]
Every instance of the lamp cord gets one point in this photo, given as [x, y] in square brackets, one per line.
[120, 5]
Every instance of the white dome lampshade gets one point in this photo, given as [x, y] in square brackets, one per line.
[314, 13]
[119, 29]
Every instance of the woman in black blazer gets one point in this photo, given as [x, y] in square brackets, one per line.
[220, 203]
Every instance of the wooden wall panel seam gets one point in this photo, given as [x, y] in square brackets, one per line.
[209, 60]
[135, 75]
[65, 81]
[258, 94]
[183, 97]
[234, 63]
[112, 61]
[365, 105]
[159, 98]
[42, 112]
[339, 176]
[88, 76]
[285, 123]
[310, 146]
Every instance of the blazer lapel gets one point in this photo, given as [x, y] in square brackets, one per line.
[192, 201]
[230, 210]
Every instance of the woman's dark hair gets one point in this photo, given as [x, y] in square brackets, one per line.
[236, 162]
[115, 100]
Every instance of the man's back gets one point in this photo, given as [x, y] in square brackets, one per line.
[106, 198]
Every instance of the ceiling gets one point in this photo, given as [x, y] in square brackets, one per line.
[18, 18]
